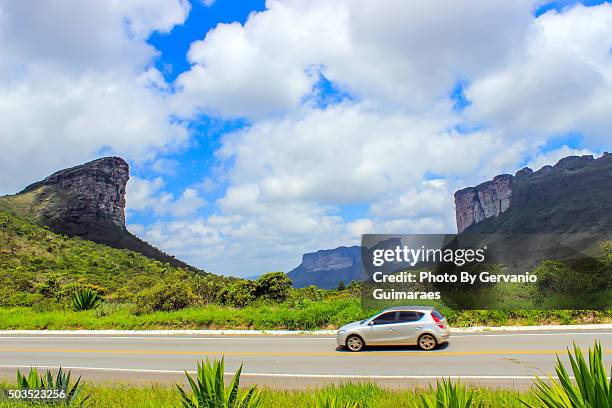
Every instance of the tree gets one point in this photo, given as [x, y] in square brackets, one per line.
[341, 286]
[274, 286]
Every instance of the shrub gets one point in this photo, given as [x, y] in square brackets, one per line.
[557, 278]
[208, 389]
[591, 388]
[239, 293]
[207, 287]
[69, 393]
[447, 395]
[274, 286]
[166, 297]
[86, 299]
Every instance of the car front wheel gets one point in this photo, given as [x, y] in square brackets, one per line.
[427, 342]
[354, 343]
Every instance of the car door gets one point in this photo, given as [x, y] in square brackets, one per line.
[407, 327]
[381, 329]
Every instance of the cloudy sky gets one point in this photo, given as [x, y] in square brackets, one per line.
[259, 131]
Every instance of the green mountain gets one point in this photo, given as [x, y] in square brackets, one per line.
[574, 196]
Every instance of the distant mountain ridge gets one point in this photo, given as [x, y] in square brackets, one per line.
[327, 268]
[86, 201]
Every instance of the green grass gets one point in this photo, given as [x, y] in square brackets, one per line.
[310, 315]
[158, 396]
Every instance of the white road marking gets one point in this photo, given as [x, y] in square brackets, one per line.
[533, 334]
[295, 375]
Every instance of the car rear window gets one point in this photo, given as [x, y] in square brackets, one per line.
[437, 314]
[407, 316]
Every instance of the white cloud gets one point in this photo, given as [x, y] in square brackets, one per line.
[185, 205]
[74, 90]
[400, 55]
[559, 82]
[141, 193]
[165, 166]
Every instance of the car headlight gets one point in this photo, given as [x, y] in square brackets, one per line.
[340, 331]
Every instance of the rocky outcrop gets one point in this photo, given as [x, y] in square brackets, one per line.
[326, 268]
[489, 199]
[87, 201]
[571, 196]
[90, 193]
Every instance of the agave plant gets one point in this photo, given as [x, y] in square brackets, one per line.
[332, 401]
[208, 389]
[591, 389]
[86, 299]
[448, 395]
[61, 382]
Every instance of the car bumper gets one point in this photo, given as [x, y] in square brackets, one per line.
[444, 336]
[341, 338]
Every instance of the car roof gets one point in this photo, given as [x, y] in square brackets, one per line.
[409, 308]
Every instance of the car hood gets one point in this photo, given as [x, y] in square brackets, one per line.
[350, 326]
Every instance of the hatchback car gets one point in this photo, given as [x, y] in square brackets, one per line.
[422, 326]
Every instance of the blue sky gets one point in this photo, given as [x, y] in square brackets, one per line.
[257, 132]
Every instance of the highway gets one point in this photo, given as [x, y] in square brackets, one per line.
[494, 359]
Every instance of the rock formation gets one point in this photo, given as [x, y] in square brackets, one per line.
[575, 193]
[86, 201]
[489, 199]
[90, 193]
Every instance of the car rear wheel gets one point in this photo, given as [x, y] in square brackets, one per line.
[427, 342]
[354, 343]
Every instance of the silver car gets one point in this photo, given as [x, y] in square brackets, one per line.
[403, 325]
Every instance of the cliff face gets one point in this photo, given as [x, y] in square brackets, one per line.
[86, 201]
[91, 193]
[489, 199]
[326, 268]
[574, 195]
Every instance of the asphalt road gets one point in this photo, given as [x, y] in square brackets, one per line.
[494, 359]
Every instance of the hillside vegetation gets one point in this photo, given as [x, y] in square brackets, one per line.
[40, 273]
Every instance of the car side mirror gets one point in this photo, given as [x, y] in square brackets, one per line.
[371, 323]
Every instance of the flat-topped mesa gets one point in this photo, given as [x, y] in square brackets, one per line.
[489, 199]
[88, 194]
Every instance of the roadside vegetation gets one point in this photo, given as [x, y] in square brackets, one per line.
[586, 387]
[49, 281]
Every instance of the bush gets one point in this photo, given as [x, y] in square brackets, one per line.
[557, 278]
[86, 299]
[275, 286]
[447, 395]
[209, 391]
[166, 297]
[69, 393]
[208, 288]
[239, 293]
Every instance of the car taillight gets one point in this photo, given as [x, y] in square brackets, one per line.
[438, 321]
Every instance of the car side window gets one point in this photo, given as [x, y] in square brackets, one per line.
[407, 316]
[386, 318]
